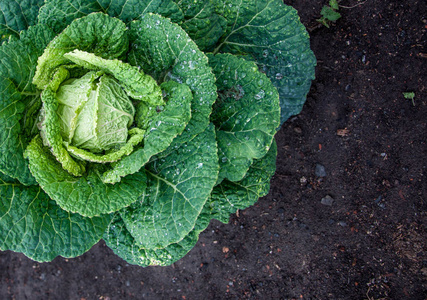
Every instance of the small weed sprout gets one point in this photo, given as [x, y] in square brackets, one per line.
[409, 96]
[329, 13]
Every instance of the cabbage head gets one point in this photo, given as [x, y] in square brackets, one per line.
[137, 122]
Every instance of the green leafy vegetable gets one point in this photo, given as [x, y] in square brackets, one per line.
[140, 121]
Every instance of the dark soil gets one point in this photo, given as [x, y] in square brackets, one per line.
[357, 140]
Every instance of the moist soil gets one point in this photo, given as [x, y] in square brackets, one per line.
[346, 214]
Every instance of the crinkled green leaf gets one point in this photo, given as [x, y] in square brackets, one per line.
[11, 141]
[29, 120]
[98, 33]
[19, 99]
[161, 130]
[119, 239]
[59, 13]
[35, 225]
[163, 50]
[178, 186]
[18, 15]
[86, 195]
[246, 114]
[136, 84]
[171, 10]
[72, 96]
[202, 23]
[136, 136]
[273, 35]
[226, 199]
[51, 134]
[129, 10]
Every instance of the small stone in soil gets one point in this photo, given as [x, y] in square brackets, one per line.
[342, 223]
[320, 171]
[328, 200]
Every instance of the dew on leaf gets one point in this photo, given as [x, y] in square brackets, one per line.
[260, 95]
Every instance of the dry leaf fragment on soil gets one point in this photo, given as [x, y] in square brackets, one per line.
[343, 132]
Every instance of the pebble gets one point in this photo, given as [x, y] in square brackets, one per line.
[379, 203]
[328, 200]
[320, 171]
[303, 180]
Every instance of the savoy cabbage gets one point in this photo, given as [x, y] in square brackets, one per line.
[138, 122]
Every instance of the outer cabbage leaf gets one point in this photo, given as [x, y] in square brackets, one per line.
[275, 38]
[164, 51]
[59, 13]
[19, 100]
[246, 114]
[118, 238]
[169, 9]
[35, 225]
[178, 186]
[129, 10]
[18, 15]
[202, 23]
[86, 195]
[226, 198]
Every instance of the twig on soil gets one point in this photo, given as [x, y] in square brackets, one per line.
[358, 4]
[367, 294]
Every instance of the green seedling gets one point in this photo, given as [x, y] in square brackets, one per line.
[329, 13]
[409, 96]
